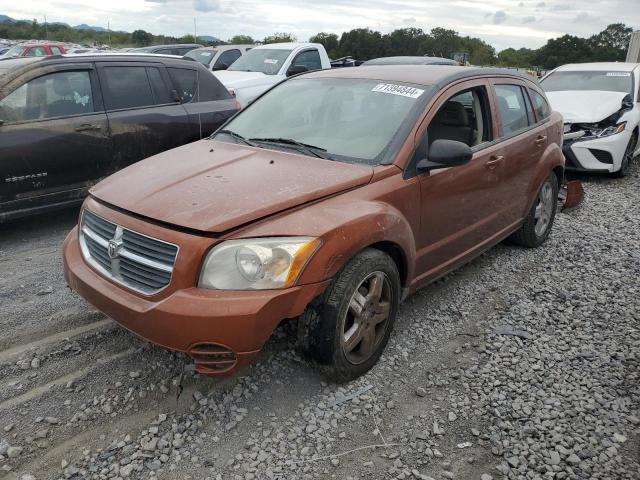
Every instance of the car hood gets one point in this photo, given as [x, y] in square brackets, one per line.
[214, 186]
[585, 106]
[245, 79]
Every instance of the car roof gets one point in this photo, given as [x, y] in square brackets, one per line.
[9, 65]
[287, 45]
[410, 60]
[598, 67]
[437, 75]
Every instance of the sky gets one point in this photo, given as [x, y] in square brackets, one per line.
[501, 23]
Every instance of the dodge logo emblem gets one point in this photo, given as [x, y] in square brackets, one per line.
[113, 248]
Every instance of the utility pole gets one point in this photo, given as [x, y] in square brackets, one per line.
[46, 29]
[195, 30]
[109, 30]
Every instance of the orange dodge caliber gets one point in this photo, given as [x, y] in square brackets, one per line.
[329, 199]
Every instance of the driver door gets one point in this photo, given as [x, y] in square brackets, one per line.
[459, 205]
[53, 138]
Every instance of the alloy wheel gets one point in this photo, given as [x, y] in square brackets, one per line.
[544, 209]
[367, 317]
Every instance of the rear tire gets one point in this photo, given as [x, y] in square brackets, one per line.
[537, 225]
[347, 328]
[627, 159]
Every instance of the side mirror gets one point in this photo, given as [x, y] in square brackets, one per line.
[176, 96]
[220, 66]
[444, 154]
[296, 69]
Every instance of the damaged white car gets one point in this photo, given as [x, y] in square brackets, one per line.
[600, 103]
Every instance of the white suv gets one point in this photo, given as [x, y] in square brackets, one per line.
[601, 108]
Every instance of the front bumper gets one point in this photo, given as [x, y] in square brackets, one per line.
[598, 155]
[220, 330]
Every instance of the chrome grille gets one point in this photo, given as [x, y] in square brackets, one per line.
[141, 263]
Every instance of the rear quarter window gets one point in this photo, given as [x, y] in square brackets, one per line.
[540, 105]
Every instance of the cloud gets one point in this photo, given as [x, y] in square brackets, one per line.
[206, 5]
[499, 17]
[529, 19]
[561, 7]
[583, 17]
[541, 5]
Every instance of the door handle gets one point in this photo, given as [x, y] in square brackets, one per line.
[540, 140]
[87, 127]
[493, 162]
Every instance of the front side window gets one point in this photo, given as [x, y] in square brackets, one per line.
[57, 94]
[265, 60]
[540, 105]
[56, 51]
[309, 59]
[465, 118]
[512, 108]
[186, 82]
[126, 87]
[228, 57]
[351, 120]
[608, 81]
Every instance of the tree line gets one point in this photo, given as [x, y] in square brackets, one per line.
[364, 43]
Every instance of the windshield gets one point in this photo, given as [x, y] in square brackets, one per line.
[14, 51]
[268, 61]
[351, 120]
[603, 81]
[202, 56]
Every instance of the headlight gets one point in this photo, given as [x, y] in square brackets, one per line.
[612, 130]
[257, 263]
[599, 132]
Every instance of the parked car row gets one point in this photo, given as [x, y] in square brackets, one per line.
[329, 199]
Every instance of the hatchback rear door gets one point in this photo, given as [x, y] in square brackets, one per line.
[145, 115]
[53, 138]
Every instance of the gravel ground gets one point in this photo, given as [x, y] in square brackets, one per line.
[523, 364]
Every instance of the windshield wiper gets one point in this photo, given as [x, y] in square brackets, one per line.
[237, 136]
[312, 149]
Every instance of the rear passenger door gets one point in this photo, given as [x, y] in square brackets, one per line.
[145, 115]
[523, 140]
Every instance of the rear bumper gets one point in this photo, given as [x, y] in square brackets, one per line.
[220, 330]
[598, 155]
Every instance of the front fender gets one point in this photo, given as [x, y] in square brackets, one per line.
[371, 223]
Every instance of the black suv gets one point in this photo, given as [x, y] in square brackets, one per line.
[66, 122]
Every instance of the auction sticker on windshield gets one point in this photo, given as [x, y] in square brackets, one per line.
[394, 89]
[271, 61]
[618, 74]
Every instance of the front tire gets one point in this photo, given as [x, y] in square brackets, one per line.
[537, 225]
[348, 327]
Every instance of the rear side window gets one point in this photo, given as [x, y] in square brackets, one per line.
[186, 83]
[540, 105]
[37, 52]
[228, 57]
[56, 51]
[161, 93]
[126, 87]
[512, 108]
[166, 51]
[310, 59]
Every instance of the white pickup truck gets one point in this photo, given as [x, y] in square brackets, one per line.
[264, 66]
